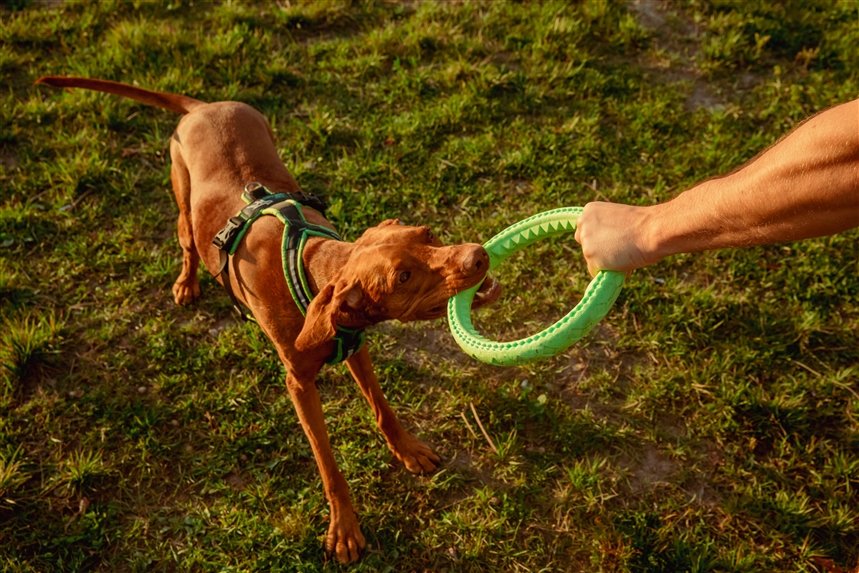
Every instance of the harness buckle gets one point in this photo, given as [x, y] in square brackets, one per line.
[224, 238]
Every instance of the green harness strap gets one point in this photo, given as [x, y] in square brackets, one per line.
[288, 209]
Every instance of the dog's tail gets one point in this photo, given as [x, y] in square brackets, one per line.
[173, 102]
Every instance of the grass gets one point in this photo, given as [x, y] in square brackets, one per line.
[27, 344]
[708, 424]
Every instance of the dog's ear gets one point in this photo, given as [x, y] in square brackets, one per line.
[378, 232]
[325, 311]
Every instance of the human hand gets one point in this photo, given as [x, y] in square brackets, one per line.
[613, 237]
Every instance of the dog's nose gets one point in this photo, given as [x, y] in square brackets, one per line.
[475, 261]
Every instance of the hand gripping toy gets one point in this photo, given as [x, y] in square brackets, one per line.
[596, 302]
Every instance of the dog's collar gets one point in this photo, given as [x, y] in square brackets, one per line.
[288, 208]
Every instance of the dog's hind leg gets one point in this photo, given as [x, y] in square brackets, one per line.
[186, 289]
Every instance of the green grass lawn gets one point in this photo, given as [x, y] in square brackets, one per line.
[710, 423]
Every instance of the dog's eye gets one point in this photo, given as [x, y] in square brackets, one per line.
[404, 276]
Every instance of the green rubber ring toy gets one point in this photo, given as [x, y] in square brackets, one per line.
[594, 305]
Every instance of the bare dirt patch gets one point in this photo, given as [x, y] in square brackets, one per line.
[675, 47]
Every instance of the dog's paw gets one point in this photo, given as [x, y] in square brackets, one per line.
[416, 455]
[186, 292]
[344, 538]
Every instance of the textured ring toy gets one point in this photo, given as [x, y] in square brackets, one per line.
[594, 305]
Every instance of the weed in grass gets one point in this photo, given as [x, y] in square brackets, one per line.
[26, 345]
[80, 472]
[591, 484]
[12, 477]
[12, 296]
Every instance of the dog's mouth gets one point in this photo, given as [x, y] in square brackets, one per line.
[488, 293]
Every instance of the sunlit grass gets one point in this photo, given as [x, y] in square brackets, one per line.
[708, 424]
[26, 344]
[12, 477]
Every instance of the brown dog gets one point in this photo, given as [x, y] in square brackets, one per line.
[391, 272]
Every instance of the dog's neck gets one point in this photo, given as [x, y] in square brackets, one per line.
[323, 259]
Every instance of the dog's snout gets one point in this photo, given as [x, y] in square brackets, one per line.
[475, 261]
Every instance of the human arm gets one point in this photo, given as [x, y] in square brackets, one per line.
[806, 185]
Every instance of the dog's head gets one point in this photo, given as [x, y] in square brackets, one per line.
[396, 272]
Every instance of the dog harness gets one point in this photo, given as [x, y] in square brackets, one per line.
[288, 208]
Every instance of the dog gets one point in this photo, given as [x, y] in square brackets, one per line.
[392, 271]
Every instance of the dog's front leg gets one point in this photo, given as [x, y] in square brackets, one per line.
[413, 453]
[344, 534]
